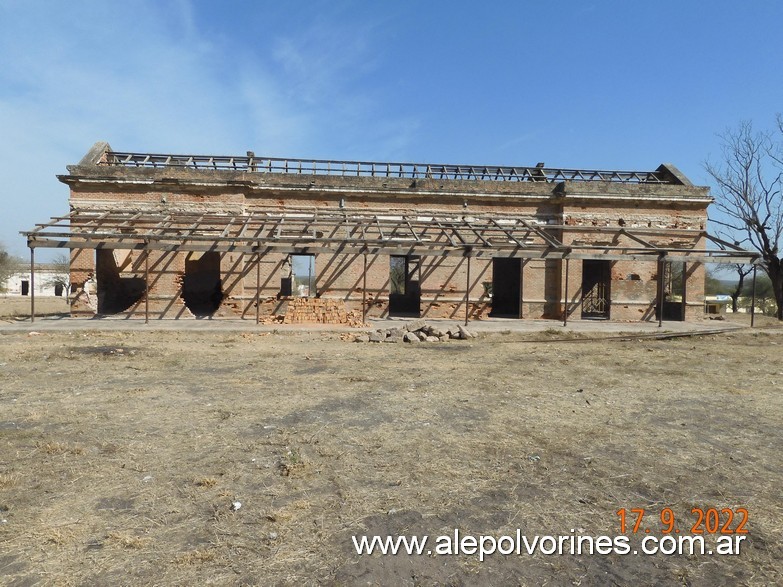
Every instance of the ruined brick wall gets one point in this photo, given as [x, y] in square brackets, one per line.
[634, 284]
[247, 282]
[83, 295]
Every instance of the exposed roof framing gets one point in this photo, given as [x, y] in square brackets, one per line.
[254, 164]
[308, 230]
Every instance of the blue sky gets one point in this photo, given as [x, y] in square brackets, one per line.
[603, 84]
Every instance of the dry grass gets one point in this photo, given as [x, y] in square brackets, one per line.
[195, 557]
[8, 480]
[59, 448]
[122, 469]
[125, 540]
[205, 482]
[58, 536]
[15, 307]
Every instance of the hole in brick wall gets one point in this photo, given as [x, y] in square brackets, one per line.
[303, 276]
[115, 292]
[633, 277]
[404, 285]
[202, 290]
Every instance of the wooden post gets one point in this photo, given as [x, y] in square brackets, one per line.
[565, 303]
[753, 299]
[258, 288]
[364, 291]
[146, 286]
[660, 290]
[32, 284]
[467, 292]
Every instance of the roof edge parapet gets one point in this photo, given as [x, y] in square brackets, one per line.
[97, 154]
[674, 175]
[102, 155]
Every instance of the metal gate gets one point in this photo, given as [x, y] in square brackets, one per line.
[595, 301]
[596, 278]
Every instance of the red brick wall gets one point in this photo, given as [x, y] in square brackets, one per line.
[443, 282]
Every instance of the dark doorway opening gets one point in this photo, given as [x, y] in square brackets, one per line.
[201, 287]
[115, 292]
[596, 284]
[404, 286]
[506, 287]
[58, 289]
[673, 291]
[25, 287]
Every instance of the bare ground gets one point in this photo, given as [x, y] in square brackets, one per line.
[120, 468]
[15, 307]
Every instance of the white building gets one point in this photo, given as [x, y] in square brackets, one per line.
[49, 281]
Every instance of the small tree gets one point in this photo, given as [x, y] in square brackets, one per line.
[749, 196]
[4, 269]
[765, 297]
[741, 271]
[61, 276]
[8, 266]
[712, 285]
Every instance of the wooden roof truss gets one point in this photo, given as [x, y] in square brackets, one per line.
[361, 231]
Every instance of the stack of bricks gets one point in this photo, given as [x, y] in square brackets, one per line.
[319, 311]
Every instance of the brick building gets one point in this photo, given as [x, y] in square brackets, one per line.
[173, 236]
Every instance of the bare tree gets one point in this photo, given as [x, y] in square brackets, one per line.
[742, 272]
[6, 267]
[61, 276]
[748, 195]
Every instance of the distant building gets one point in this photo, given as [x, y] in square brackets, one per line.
[716, 304]
[180, 236]
[49, 281]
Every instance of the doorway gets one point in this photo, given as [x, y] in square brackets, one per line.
[404, 286]
[116, 292]
[506, 287]
[596, 283]
[202, 290]
[674, 278]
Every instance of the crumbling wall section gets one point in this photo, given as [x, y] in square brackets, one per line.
[634, 284]
[83, 297]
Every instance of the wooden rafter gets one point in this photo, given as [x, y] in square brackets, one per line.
[365, 232]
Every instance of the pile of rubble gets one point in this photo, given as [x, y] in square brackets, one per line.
[415, 332]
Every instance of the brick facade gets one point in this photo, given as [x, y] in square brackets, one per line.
[111, 281]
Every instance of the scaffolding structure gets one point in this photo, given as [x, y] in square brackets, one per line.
[353, 231]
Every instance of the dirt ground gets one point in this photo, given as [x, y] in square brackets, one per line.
[19, 306]
[121, 454]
